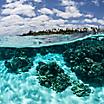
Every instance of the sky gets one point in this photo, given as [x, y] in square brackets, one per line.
[20, 16]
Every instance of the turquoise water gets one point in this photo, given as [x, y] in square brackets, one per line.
[80, 60]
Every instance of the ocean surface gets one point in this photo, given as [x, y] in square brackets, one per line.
[56, 69]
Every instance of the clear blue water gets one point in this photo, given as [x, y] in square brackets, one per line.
[24, 87]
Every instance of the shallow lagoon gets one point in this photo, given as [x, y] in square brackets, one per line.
[24, 87]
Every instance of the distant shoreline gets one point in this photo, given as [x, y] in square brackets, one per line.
[66, 31]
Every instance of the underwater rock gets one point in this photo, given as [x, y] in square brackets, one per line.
[25, 52]
[43, 51]
[57, 49]
[87, 61]
[52, 76]
[19, 64]
[51, 49]
[80, 89]
[6, 53]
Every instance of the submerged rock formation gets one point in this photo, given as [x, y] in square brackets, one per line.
[52, 76]
[8, 53]
[80, 89]
[86, 59]
[18, 60]
[19, 64]
[25, 52]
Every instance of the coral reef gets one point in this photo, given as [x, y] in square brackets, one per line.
[19, 64]
[80, 89]
[52, 76]
[86, 59]
[25, 52]
[17, 60]
[8, 53]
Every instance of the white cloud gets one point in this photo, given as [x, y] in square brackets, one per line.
[94, 20]
[9, 1]
[81, 3]
[37, 21]
[45, 11]
[14, 30]
[96, 2]
[12, 20]
[38, 1]
[50, 24]
[12, 24]
[75, 21]
[16, 24]
[102, 1]
[67, 2]
[89, 15]
[11, 5]
[21, 9]
[101, 21]
[87, 20]
[19, 17]
[56, 22]
[70, 11]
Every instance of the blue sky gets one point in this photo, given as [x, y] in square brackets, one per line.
[20, 16]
